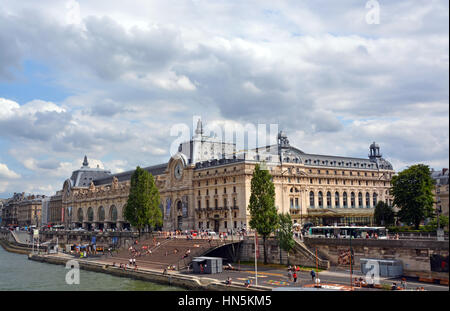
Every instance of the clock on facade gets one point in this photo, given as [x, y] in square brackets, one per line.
[178, 172]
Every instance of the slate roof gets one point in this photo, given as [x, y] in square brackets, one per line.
[154, 170]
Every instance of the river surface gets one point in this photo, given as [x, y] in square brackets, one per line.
[19, 273]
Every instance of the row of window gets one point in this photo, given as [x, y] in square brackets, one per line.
[216, 203]
[344, 199]
[217, 171]
[225, 224]
[340, 163]
[311, 181]
[343, 173]
[216, 192]
[101, 214]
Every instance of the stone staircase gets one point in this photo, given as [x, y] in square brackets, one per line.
[304, 256]
[165, 252]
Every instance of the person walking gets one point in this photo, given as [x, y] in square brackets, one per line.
[290, 275]
[313, 275]
[295, 277]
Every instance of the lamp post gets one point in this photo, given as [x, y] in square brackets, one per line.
[439, 232]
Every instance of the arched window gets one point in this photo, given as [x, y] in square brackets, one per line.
[375, 199]
[367, 200]
[360, 200]
[80, 215]
[329, 199]
[90, 214]
[101, 214]
[320, 199]
[113, 213]
[352, 199]
[311, 199]
[336, 199]
[344, 197]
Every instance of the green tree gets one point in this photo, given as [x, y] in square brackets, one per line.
[412, 191]
[263, 213]
[443, 222]
[384, 215]
[142, 208]
[285, 233]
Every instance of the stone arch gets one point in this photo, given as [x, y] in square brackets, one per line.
[90, 214]
[336, 199]
[101, 213]
[320, 197]
[80, 215]
[113, 213]
[311, 199]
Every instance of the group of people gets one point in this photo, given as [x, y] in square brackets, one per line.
[293, 274]
[186, 254]
[131, 264]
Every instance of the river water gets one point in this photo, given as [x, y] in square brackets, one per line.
[19, 273]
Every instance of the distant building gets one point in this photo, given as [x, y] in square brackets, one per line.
[22, 210]
[45, 211]
[441, 190]
[55, 209]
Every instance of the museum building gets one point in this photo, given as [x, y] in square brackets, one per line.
[206, 185]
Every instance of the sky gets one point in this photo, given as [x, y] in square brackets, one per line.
[109, 79]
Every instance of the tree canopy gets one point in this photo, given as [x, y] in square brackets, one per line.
[285, 233]
[412, 191]
[142, 208]
[384, 214]
[264, 218]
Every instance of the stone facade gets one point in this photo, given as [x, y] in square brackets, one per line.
[22, 210]
[441, 190]
[55, 209]
[214, 193]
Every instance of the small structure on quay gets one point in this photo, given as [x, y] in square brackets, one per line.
[208, 265]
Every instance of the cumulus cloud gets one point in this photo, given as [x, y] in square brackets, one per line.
[331, 81]
[5, 172]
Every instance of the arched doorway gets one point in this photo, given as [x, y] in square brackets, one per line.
[101, 218]
[80, 217]
[113, 216]
[179, 216]
[90, 218]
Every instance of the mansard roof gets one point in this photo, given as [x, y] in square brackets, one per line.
[84, 176]
[154, 170]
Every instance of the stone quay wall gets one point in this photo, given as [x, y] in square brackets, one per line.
[414, 254]
[172, 279]
[300, 255]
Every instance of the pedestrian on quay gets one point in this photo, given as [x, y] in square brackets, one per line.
[403, 283]
[290, 275]
[313, 275]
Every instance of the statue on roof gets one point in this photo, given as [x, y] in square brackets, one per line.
[283, 141]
